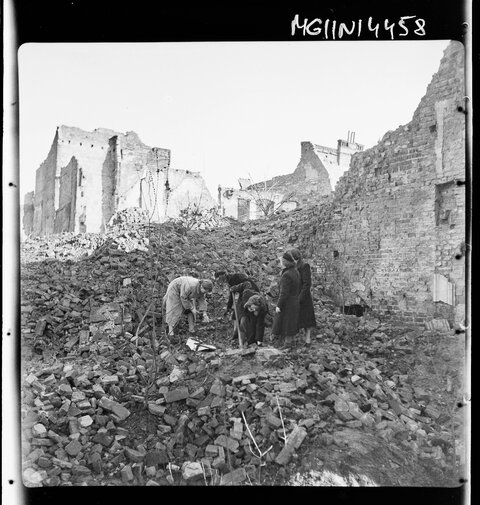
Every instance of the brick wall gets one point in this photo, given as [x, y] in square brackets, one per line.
[398, 214]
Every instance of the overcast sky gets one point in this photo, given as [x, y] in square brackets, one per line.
[226, 110]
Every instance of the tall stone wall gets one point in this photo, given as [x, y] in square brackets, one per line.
[398, 214]
[66, 214]
[88, 176]
[90, 150]
[44, 201]
[27, 212]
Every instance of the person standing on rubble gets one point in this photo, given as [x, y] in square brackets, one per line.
[252, 322]
[185, 295]
[238, 283]
[285, 321]
[306, 314]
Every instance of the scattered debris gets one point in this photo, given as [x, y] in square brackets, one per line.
[110, 399]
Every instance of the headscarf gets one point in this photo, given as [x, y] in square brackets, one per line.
[257, 300]
[207, 285]
[288, 256]
[296, 254]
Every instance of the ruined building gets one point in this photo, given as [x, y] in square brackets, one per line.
[316, 176]
[88, 176]
[393, 236]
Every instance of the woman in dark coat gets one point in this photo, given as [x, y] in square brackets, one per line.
[240, 283]
[285, 322]
[306, 315]
[252, 323]
[235, 280]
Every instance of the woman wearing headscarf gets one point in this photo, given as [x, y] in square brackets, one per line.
[236, 283]
[252, 323]
[245, 287]
[306, 315]
[285, 322]
[185, 295]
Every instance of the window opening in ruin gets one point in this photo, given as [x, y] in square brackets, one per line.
[445, 204]
[80, 143]
[243, 209]
[443, 290]
[335, 254]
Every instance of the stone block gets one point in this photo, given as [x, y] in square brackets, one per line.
[73, 448]
[192, 470]
[273, 421]
[116, 408]
[294, 441]
[155, 409]
[176, 395]
[133, 455]
[39, 430]
[126, 473]
[228, 443]
[156, 457]
[234, 478]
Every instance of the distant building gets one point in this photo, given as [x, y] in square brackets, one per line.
[316, 175]
[88, 176]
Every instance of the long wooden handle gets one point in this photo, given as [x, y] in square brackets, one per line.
[240, 339]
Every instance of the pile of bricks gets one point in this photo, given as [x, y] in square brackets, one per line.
[94, 411]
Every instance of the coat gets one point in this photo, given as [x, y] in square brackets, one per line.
[245, 290]
[182, 293]
[285, 322]
[306, 315]
[251, 325]
[237, 280]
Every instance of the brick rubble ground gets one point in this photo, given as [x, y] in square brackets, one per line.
[369, 398]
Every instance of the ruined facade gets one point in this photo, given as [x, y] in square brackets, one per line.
[26, 211]
[394, 232]
[316, 175]
[88, 176]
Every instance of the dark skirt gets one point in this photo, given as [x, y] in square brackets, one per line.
[285, 323]
[306, 314]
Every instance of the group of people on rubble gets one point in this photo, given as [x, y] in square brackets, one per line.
[293, 311]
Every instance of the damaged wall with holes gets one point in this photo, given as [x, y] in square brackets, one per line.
[395, 227]
[88, 176]
[314, 178]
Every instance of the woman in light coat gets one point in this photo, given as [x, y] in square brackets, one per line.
[185, 295]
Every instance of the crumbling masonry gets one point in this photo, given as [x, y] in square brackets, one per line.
[315, 176]
[88, 176]
[393, 235]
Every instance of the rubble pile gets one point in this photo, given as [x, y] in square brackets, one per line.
[127, 217]
[67, 246]
[195, 218]
[106, 398]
